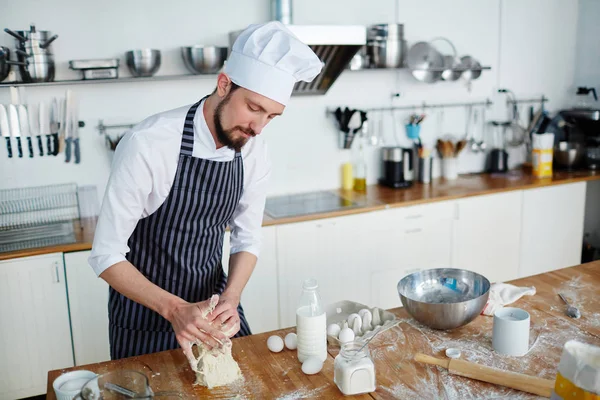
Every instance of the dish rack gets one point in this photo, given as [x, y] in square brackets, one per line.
[38, 216]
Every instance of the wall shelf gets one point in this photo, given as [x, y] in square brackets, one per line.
[155, 78]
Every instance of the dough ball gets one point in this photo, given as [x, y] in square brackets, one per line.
[312, 365]
[346, 335]
[291, 341]
[275, 344]
[333, 330]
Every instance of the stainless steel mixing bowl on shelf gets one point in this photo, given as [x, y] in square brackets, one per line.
[444, 298]
[143, 62]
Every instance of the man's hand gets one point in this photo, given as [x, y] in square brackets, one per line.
[190, 326]
[226, 315]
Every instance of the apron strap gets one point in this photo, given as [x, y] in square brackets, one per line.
[187, 141]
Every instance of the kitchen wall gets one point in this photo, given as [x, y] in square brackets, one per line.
[530, 45]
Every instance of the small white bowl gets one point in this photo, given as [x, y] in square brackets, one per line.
[69, 385]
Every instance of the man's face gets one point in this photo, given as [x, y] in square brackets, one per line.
[243, 114]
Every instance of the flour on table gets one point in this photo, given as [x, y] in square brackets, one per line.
[215, 367]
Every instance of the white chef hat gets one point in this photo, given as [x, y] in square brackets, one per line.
[269, 59]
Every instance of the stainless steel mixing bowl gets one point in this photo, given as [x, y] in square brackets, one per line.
[444, 298]
[143, 62]
[204, 59]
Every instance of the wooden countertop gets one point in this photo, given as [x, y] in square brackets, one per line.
[377, 197]
[278, 375]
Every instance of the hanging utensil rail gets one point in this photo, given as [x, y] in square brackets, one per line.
[424, 105]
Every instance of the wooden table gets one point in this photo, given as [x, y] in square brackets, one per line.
[278, 375]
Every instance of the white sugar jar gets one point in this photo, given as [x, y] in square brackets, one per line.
[354, 371]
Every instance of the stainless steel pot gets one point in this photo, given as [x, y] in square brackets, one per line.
[386, 47]
[34, 52]
[4, 65]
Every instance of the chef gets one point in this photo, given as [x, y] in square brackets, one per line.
[178, 179]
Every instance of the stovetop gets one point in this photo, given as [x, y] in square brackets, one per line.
[306, 203]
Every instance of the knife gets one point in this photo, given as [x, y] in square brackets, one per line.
[75, 129]
[5, 130]
[65, 124]
[34, 125]
[44, 117]
[24, 122]
[55, 119]
[15, 128]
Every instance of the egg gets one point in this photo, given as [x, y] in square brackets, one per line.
[275, 344]
[312, 365]
[333, 330]
[346, 335]
[351, 319]
[291, 341]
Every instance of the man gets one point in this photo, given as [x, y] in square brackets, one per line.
[178, 179]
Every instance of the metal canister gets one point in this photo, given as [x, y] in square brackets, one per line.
[425, 169]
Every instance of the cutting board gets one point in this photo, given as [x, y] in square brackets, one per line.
[267, 375]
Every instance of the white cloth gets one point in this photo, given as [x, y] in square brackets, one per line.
[143, 171]
[502, 294]
[269, 59]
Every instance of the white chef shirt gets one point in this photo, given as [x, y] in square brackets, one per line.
[143, 171]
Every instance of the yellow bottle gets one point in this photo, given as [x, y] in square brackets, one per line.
[360, 172]
[347, 182]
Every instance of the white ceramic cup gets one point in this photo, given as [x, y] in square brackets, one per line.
[510, 334]
[450, 168]
[68, 386]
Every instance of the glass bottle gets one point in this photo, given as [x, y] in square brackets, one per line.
[311, 323]
[354, 370]
[360, 171]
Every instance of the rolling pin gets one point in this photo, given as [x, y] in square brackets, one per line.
[513, 380]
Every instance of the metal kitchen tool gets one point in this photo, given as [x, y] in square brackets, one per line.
[204, 59]
[24, 122]
[15, 127]
[444, 298]
[425, 62]
[66, 125]
[451, 68]
[5, 129]
[33, 113]
[96, 69]
[56, 112]
[34, 51]
[572, 312]
[45, 128]
[123, 384]
[74, 123]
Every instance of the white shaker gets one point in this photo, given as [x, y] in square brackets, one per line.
[510, 334]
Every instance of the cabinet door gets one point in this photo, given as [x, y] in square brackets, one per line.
[35, 329]
[487, 235]
[88, 304]
[259, 298]
[337, 252]
[553, 219]
[408, 240]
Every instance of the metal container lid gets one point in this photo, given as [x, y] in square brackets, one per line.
[385, 31]
[392, 154]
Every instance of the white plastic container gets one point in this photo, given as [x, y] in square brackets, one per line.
[353, 370]
[68, 386]
[311, 323]
[510, 332]
[450, 168]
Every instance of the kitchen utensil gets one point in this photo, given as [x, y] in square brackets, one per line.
[66, 121]
[472, 68]
[56, 112]
[360, 60]
[510, 333]
[34, 52]
[24, 123]
[204, 59]
[444, 298]
[474, 146]
[5, 129]
[45, 125]
[15, 128]
[572, 312]
[425, 169]
[481, 142]
[33, 114]
[471, 143]
[143, 62]
[96, 69]
[74, 123]
[425, 62]
[121, 384]
[451, 64]
[568, 154]
[513, 380]
[386, 47]
[5, 64]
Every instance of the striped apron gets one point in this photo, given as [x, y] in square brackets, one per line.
[179, 248]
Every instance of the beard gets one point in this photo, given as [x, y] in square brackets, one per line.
[228, 137]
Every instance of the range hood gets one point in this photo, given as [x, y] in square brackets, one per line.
[335, 45]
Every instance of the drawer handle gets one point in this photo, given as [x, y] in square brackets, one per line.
[416, 230]
[56, 273]
[415, 216]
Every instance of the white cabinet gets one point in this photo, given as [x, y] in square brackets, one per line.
[34, 331]
[88, 305]
[553, 219]
[337, 252]
[487, 235]
[405, 240]
[259, 298]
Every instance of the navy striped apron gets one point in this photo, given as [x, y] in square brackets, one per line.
[179, 248]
